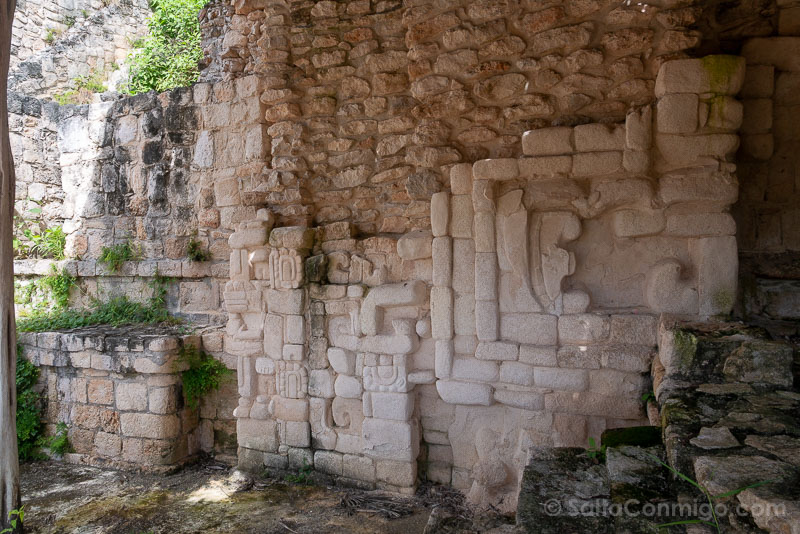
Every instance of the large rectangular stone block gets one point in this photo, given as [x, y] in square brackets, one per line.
[529, 328]
[548, 141]
[145, 425]
[390, 440]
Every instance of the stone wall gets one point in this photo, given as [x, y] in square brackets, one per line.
[767, 213]
[119, 392]
[55, 42]
[371, 102]
[441, 232]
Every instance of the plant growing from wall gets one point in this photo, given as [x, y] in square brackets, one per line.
[115, 255]
[116, 311]
[83, 89]
[33, 239]
[29, 424]
[205, 374]
[169, 55]
[44, 294]
[712, 499]
[196, 252]
[58, 444]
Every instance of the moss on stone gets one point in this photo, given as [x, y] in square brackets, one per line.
[723, 299]
[685, 347]
[720, 69]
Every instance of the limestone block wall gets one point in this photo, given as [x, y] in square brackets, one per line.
[53, 42]
[119, 392]
[441, 232]
[501, 333]
[371, 102]
[767, 212]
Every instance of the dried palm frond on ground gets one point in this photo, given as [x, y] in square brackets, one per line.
[388, 507]
[448, 499]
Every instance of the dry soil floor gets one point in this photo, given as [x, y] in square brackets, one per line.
[61, 498]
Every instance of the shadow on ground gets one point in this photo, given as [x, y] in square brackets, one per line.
[62, 498]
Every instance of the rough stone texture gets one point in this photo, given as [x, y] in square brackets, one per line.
[390, 269]
[118, 392]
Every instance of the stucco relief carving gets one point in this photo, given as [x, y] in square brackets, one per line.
[285, 269]
[532, 247]
[347, 268]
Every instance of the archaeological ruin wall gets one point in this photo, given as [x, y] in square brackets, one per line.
[440, 232]
[54, 42]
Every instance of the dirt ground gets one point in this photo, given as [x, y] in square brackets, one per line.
[61, 498]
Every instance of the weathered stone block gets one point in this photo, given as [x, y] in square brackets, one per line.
[596, 163]
[454, 392]
[563, 379]
[328, 462]
[442, 312]
[529, 328]
[440, 213]
[402, 474]
[394, 406]
[583, 328]
[143, 425]
[517, 373]
[390, 440]
[496, 169]
[461, 216]
[415, 245]
[473, 369]
[677, 113]
[101, 391]
[598, 137]
[712, 74]
[131, 396]
[548, 141]
[782, 53]
[442, 252]
[497, 350]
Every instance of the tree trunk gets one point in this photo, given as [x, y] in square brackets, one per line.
[9, 459]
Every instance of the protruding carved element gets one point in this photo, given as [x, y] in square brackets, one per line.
[285, 269]
[666, 291]
[404, 294]
[556, 263]
[291, 380]
[346, 268]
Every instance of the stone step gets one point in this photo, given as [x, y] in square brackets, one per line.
[693, 354]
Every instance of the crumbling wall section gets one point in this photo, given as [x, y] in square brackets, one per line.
[56, 42]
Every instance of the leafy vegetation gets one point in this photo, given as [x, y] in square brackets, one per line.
[58, 443]
[115, 312]
[115, 255]
[45, 293]
[16, 518]
[29, 423]
[196, 252]
[69, 21]
[303, 476]
[168, 56]
[205, 374]
[33, 239]
[83, 87]
[50, 36]
[596, 452]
